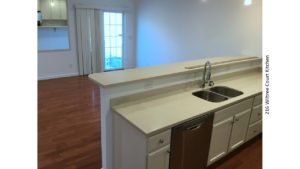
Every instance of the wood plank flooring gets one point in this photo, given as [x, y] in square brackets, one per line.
[69, 129]
[68, 124]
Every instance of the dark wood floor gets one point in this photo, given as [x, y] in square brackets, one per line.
[68, 124]
[69, 129]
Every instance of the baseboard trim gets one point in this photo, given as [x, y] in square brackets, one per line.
[57, 76]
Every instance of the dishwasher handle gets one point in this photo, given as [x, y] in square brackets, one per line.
[194, 127]
[195, 124]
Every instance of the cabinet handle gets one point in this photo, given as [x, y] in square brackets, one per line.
[161, 141]
[254, 131]
[168, 151]
[236, 119]
[258, 114]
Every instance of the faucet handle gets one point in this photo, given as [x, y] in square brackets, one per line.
[211, 83]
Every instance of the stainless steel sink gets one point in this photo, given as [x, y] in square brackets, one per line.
[226, 91]
[217, 94]
[209, 96]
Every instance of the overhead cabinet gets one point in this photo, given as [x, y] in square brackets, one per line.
[53, 9]
[53, 12]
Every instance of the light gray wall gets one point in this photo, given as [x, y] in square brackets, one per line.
[53, 64]
[178, 30]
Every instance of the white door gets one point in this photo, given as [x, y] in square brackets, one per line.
[159, 159]
[239, 129]
[219, 140]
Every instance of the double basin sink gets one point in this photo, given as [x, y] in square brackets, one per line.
[217, 94]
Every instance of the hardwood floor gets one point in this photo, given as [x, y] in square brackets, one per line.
[68, 124]
[69, 129]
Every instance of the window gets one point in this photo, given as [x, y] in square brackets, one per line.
[113, 41]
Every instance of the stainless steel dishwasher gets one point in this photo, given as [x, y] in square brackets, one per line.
[190, 143]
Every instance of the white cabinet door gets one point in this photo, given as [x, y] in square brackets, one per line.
[219, 140]
[56, 11]
[239, 129]
[256, 114]
[59, 11]
[159, 159]
[254, 129]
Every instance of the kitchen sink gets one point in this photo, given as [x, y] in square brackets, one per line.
[217, 93]
[209, 96]
[226, 91]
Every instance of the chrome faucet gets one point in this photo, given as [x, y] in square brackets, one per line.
[206, 75]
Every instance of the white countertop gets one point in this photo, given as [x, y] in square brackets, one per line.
[152, 115]
[130, 75]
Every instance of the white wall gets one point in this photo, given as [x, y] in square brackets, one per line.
[53, 64]
[53, 38]
[178, 30]
[171, 31]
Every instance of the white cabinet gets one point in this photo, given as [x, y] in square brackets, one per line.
[159, 150]
[254, 129]
[135, 150]
[239, 129]
[229, 130]
[159, 159]
[53, 9]
[257, 100]
[255, 124]
[256, 113]
[220, 139]
[159, 140]
[53, 13]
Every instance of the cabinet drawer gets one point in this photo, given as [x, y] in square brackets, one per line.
[232, 110]
[254, 130]
[256, 114]
[257, 100]
[159, 140]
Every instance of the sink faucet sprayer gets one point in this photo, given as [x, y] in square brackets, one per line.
[206, 75]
